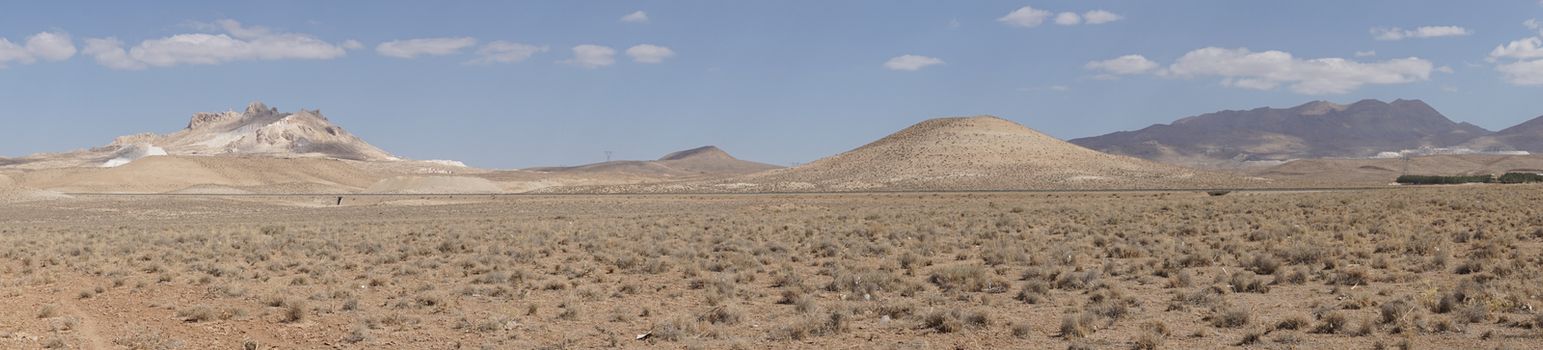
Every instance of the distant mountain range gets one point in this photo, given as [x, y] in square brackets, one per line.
[705, 160]
[1314, 130]
[957, 154]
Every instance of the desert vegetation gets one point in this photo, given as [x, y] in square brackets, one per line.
[1411, 267]
[1507, 178]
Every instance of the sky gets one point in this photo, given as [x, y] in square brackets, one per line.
[510, 84]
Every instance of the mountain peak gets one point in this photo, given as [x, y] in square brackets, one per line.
[257, 108]
[704, 152]
[1312, 130]
[978, 152]
[263, 130]
[203, 119]
[1368, 103]
[1319, 108]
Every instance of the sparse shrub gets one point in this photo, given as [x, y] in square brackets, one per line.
[1474, 313]
[1033, 292]
[943, 322]
[1332, 323]
[1246, 282]
[1229, 316]
[1293, 322]
[1251, 338]
[1263, 264]
[673, 330]
[1078, 280]
[966, 277]
[1351, 277]
[1078, 326]
[1394, 311]
[721, 315]
[293, 310]
[48, 311]
[1021, 330]
[1294, 276]
[197, 313]
[358, 334]
[1147, 341]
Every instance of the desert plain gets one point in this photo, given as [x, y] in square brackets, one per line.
[1406, 267]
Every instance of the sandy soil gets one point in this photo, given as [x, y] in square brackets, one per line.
[1438, 267]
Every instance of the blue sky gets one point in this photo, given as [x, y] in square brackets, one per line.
[527, 83]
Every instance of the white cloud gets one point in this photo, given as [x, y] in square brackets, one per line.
[635, 17]
[1124, 65]
[911, 62]
[352, 44]
[1060, 88]
[10, 52]
[1029, 17]
[1026, 17]
[238, 43]
[506, 52]
[592, 56]
[412, 48]
[1523, 72]
[1525, 56]
[1101, 17]
[109, 52]
[1368, 53]
[646, 53]
[1269, 69]
[1419, 33]
[1519, 49]
[46, 46]
[51, 46]
[1068, 19]
[1446, 69]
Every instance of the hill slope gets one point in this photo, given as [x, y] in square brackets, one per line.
[258, 131]
[1313, 130]
[1372, 172]
[261, 130]
[173, 173]
[966, 153]
[695, 162]
[1527, 136]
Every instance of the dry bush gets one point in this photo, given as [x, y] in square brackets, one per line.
[954, 320]
[1079, 326]
[1332, 323]
[967, 278]
[1228, 316]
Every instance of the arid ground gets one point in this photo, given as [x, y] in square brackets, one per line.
[1427, 268]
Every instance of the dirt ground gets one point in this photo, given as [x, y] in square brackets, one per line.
[1425, 268]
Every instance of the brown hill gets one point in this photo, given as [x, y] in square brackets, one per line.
[262, 130]
[11, 191]
[968, 153]
[1383, 171]
[1527, 136]
[421, 184]
[173, 173]
[1313, 130]
[258, 131]
[705, 161]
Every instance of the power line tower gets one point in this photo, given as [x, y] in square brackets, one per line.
[1406, 165]
[607, 156]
